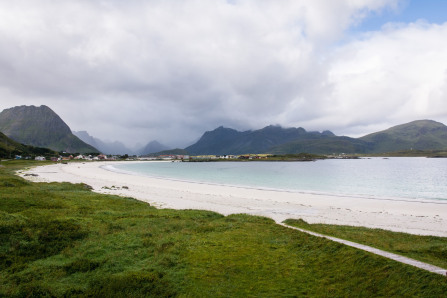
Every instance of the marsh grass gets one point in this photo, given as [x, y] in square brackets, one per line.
[61, 239]
[429, 249]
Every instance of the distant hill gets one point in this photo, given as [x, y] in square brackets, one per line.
[115, 148]
[10, 148]
[41, 127]
[229, 141]
[152, 147]
[416, 135]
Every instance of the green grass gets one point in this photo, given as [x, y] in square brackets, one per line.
[60, 239]
[429, 249]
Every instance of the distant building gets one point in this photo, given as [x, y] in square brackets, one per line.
[40, 158]
[143, 158]
[204, 157]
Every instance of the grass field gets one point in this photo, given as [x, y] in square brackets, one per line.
[60, 239]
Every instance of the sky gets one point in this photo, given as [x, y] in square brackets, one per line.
[141, 70]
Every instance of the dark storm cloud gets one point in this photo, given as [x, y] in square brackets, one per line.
[168, 70]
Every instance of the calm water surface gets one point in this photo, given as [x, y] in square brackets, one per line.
[399, 177]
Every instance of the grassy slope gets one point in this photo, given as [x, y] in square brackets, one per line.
[61, 239]
[418, 135]
[9, 148]
[430, 249]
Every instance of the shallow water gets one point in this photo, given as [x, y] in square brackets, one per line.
[398, 177]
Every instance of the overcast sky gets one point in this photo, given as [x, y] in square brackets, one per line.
[137, 70]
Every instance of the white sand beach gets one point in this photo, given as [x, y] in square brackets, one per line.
[416, 217]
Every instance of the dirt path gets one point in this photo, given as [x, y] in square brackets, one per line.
[376, 251]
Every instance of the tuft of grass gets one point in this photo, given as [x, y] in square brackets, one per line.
[61, 239]
[429, 249]
[81, 265]
[139, 284]
[36, 240]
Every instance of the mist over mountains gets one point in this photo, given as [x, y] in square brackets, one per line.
[104, 147]
[41, 127]
[118, 148]
[152, 147]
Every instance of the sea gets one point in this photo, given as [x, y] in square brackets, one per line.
[412, 178]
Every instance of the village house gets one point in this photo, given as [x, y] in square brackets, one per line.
[204, 157]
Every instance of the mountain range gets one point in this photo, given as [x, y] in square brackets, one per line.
[416, 135]
[152, 147]
[41, 127]
[229, 141]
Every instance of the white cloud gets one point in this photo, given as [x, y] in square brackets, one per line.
[169, 70]
[393, 76]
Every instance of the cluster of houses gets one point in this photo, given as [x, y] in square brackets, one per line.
[78, 157]
[160, 157]
[242, 156]
[205, 157]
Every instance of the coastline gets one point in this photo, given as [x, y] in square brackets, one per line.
[415, 217]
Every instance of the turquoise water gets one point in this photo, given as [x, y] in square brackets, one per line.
[399, 177]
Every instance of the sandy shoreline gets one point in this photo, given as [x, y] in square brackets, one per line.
[425, 218]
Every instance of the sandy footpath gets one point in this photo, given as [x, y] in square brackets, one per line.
[417, 217]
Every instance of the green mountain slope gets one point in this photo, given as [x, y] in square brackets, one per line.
[416, 135]
[41, 127]
[329, 145]
[10, 148]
